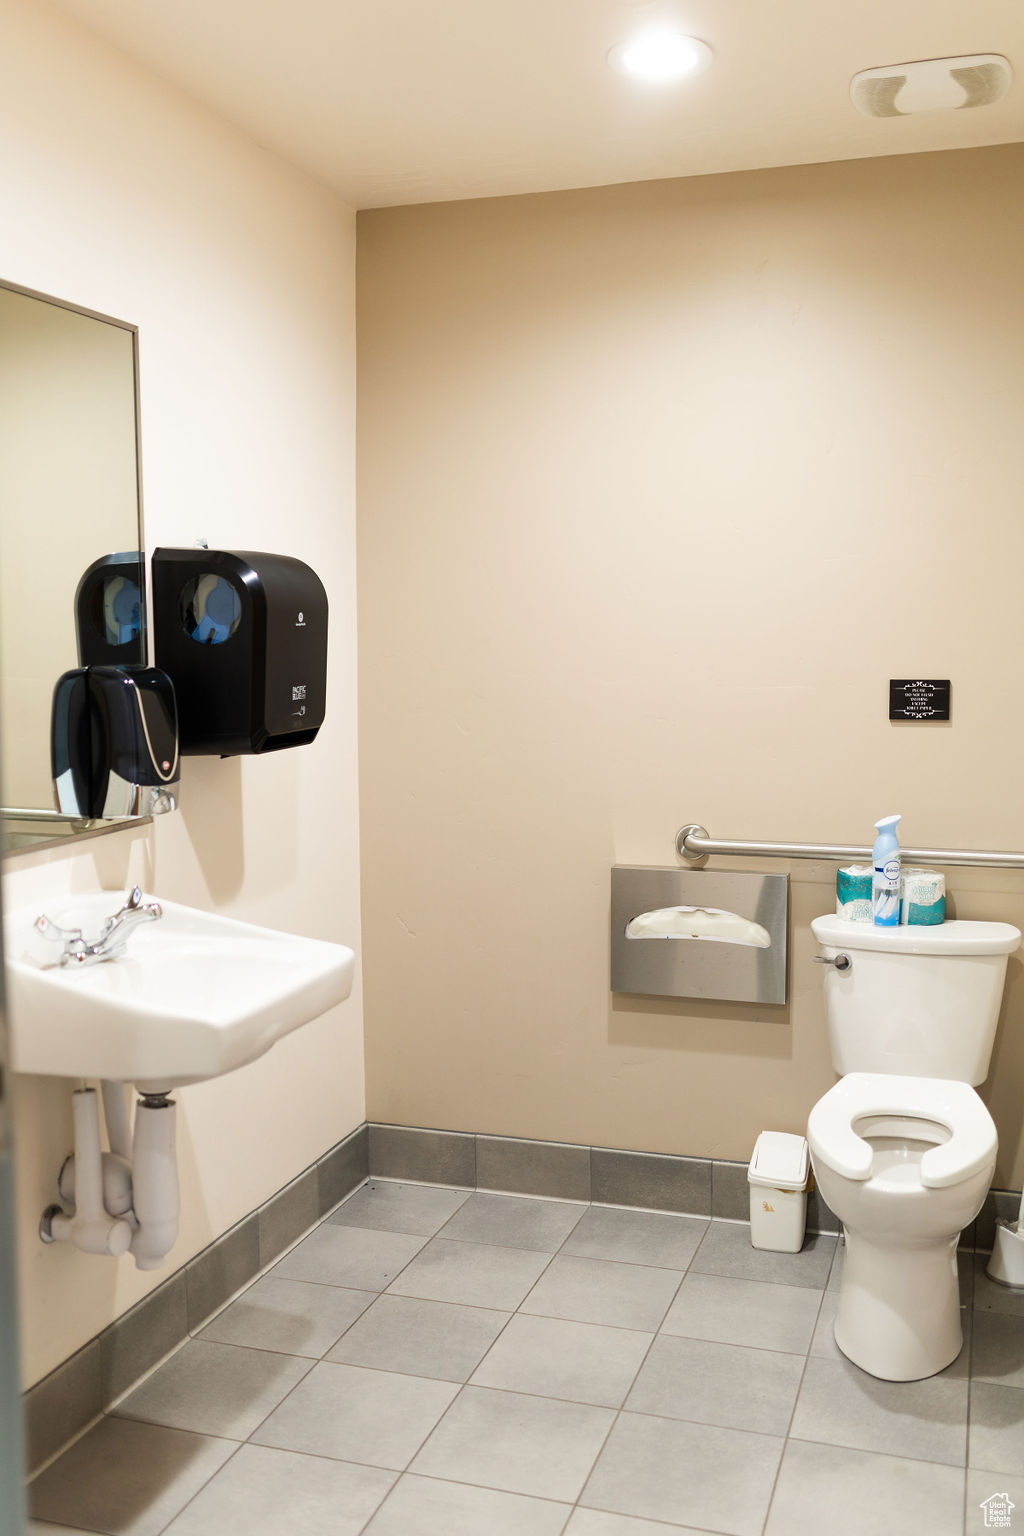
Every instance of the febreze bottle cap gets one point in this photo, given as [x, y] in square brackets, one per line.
[887, 849]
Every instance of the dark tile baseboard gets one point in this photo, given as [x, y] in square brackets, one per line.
[70, 1397]
[425, 1157]
[691, 1186]
[566, 1171]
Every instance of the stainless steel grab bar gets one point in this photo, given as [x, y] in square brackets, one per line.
[696, 845]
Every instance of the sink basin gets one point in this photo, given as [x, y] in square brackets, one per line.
[194, 994]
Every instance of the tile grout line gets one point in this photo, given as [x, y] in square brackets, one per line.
[711, 1274]
[598, 1205]
[923, 1461]
[517, 1312]
[429, 1238]
[80, 1434]
[304, 1359]
[109, 1410]
[658, 1333]
[191, 1336]
[972, 1317]
[796, 1395]
[321, 1360]
[215, 1473]
[464, 1384]
[460, 1482]
[625, 1396]
[559, 1251]
[539, 1396]
[427, 1475]
[382, 1292]
[374, 1513]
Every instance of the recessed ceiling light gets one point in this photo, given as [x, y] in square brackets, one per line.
[660, 58]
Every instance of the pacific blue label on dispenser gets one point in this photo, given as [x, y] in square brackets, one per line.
[915, 698]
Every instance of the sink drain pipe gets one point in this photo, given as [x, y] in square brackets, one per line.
[117, 1119]
[124, 1200]
[154, 1179]
[90, 1226]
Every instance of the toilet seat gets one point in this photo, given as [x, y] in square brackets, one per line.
[954, 1105]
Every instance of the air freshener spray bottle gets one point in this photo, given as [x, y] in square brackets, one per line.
[885, 883]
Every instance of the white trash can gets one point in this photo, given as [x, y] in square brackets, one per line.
[778, 1191]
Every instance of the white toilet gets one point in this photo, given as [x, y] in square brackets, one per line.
[903, 1149]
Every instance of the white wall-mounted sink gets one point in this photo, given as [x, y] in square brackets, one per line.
[194, 995]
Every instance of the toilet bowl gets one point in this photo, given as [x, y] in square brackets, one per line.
[905, 1163]
[902, 1147]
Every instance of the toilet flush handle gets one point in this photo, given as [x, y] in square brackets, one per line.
[842, 962]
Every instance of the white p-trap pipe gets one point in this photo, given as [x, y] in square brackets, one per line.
[115, 1113]
[154, 1182]
[91, 1227]
[116, 1164]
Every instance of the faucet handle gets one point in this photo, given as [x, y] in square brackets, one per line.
[50, 944]
[116, 930]
[132, 903]
[48, 929]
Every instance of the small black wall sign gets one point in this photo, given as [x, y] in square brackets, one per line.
[916, 698]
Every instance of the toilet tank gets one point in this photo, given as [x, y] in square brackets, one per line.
[923, 1002]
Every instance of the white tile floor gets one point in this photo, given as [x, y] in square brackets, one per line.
[430, 1362]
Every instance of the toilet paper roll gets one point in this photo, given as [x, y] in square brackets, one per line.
[853, 893]
[922, 898]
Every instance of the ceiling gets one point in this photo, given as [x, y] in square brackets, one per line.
[409, 101]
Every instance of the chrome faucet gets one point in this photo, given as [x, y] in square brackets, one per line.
[113, 935]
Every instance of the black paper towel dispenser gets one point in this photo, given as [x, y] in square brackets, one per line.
[243, 636]
[114, 743]
[109, 612]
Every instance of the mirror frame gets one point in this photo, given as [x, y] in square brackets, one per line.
[67, 829]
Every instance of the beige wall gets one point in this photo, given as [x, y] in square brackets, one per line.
[658, 486]
[119, 194]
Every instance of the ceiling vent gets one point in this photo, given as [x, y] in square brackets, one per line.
[932, 85]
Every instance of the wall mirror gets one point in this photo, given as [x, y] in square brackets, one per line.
[70, 495]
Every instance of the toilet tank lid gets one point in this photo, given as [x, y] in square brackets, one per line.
[953, 938]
